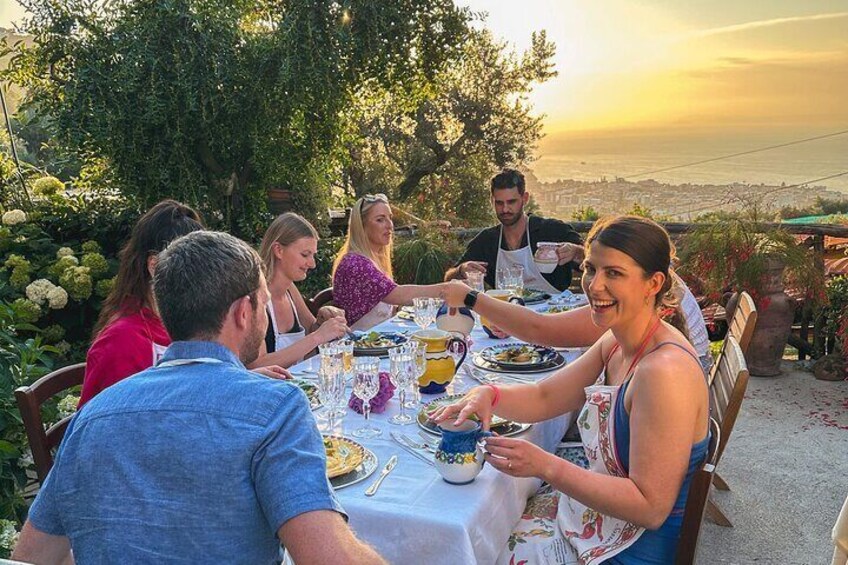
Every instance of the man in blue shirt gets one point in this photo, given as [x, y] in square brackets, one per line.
[196, 459]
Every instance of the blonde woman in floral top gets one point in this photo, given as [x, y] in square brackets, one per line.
[362, 272]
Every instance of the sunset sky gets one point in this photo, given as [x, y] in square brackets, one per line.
[706, 66]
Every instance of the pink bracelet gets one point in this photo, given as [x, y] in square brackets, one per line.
[497, 392]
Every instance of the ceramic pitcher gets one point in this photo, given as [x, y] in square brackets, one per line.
[459, 458]
[440, 364]
[458, 321]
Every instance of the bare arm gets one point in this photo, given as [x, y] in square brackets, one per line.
[322, 536]
[35, 546]
[307, 320]
[667, 416]
[560, 393]
[566, 329]
[403, 294]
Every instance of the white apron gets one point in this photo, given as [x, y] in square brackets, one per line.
[597, 537]
[378, 314]
[283, 340]
[523, 257]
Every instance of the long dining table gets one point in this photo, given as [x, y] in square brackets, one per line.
[416, 517]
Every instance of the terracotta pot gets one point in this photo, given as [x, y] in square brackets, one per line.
[774, 323]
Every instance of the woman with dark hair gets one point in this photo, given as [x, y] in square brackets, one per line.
[129, 336]
[644, 417]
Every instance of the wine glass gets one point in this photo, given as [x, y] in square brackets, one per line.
[366, 384]
[418, 351]
[402, 371]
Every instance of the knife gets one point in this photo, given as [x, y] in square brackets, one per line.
[372, 490]
[409, 449]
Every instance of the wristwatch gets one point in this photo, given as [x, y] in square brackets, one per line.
[471, 299]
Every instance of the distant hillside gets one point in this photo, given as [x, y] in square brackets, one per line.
[563, 198]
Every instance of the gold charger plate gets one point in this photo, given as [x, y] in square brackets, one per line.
[343, 455]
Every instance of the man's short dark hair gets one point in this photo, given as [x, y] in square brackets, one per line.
[197, 279]
[508, 178]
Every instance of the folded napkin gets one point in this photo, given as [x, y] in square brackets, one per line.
[379, 402]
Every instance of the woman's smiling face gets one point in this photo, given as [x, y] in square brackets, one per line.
[296, 259]
[617, 287]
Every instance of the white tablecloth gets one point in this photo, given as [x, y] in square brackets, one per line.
[416, 517]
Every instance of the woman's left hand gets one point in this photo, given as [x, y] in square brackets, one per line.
[516, 457]
[273, 372]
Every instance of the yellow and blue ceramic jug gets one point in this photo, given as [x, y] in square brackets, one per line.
[440, 364]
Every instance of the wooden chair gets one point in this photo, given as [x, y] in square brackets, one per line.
[696, 501]
[741, 326]
[323, 298]
[43, 441]
[726, 394]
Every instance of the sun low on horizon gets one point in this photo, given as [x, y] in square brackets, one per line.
[657, 65]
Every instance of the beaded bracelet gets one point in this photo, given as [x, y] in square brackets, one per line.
[497, 392]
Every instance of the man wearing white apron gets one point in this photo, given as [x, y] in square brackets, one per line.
[513, 242]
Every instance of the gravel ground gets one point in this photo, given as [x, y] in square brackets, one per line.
[787, 467]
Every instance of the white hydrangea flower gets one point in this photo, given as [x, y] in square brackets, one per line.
[64, 252]
[14, 217]
[57, 298]
[37, 291]
[8, 535]
[67, 406]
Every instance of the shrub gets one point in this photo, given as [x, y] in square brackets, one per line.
[424, 258]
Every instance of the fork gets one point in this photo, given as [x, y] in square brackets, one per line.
[412, 443]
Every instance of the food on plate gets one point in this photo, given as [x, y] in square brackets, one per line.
[372, 340]
[343, 456]
[519, 354]
[557, 308]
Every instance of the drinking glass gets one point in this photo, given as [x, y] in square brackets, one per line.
[516, 280]
[366, 384]
[502, 281]
[402, 371]
[333, 354]
[475, 280]
[418, 351]
[425, 310]
[330, 385]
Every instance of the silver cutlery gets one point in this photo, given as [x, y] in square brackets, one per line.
[410, 450]
[416, 445]
[372, 490]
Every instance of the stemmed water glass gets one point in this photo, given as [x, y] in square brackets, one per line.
[335, 353]
[425, 311]
[418, 351]
[366, 384]
[402, 370]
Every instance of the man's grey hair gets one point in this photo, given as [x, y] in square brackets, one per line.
[197, 279]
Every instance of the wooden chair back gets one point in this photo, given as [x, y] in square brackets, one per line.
[728, 388]
[740, 327]
[323, 298]
[43, 441]
[696, 501]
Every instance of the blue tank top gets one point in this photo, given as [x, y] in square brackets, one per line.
[654, 546]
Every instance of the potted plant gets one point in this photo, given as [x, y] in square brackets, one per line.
[736, 253]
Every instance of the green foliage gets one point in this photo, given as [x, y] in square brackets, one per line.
[834, 314]
[424, 258]
[22, 361]
[586, 214]
[58, 291]
[48, 187]
[733, 254]
[433, 148]
[822, 207]
[211, 102]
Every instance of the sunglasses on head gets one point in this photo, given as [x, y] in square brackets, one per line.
[372, 198]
